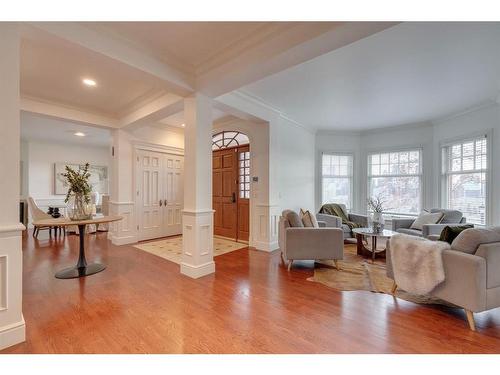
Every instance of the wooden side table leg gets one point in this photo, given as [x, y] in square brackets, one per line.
[374, 247]
[360, 246]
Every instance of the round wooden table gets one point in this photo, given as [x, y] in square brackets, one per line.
[81, 268]
[368, 232]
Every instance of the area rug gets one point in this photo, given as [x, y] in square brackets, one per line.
[359, 273]
[171, 248]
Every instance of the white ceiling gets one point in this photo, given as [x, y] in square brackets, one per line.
[42, 128]
[177, 119]
[409, 73]
[52, 69]
[185, 44]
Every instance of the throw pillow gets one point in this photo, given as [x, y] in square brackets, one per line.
[449, 216]
[293, 218]
[425, 218]
[449, 233]
[308, 219]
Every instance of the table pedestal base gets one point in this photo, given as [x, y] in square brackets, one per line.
[74, 272]
[372, 253]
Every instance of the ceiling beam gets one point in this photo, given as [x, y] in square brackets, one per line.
[152, 112]
[34, 105]
[175, 81]
[292, 46]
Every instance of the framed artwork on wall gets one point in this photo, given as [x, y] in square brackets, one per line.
[98, 177]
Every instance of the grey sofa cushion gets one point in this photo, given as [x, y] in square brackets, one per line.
[450, 216]
[426, 218]
[345, 228]
[293, 218]
[411, 232]
[469, 240]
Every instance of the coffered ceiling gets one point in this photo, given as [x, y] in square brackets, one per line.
[187, 45]
[52, 69]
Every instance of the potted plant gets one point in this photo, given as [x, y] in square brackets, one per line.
[376, 205]
[78, 195]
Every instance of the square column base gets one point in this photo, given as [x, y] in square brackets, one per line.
[197, 243]
[196, 272]
[12, 334]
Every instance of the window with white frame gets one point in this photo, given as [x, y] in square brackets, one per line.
[396, 177]
[337, 179]
[465, 178]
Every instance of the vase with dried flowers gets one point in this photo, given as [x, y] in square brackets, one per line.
[78, 195]
[376, 205]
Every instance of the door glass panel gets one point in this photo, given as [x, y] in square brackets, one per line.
[244, 176]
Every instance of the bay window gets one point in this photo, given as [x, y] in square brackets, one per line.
[337, 179]
[396, 177]
[465, 178]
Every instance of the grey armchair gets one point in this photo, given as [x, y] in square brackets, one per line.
[472, 272]
[430, 231]
[306, 243]
[336, 222]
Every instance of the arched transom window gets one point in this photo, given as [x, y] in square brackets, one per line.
[227, 139]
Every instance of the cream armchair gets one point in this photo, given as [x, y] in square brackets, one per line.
[472, 272]
[306, 243]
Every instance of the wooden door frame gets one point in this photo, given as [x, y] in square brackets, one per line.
[145, 146]
[236, 168]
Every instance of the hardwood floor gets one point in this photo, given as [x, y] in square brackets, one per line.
[141, 304]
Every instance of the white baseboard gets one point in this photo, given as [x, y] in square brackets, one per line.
[12, 334]
[118, 241]
[196, 272]
[266, 246]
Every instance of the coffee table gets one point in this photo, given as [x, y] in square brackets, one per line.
[81, 268]
[368, 232]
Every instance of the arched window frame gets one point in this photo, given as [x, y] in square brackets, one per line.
[228, 138]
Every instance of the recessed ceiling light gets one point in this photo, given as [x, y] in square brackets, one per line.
[79, 134]
[89, 82]
[183, 125]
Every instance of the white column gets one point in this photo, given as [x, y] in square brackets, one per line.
[12, 327]
[121, 200]
[197, 218]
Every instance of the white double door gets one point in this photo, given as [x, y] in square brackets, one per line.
[159, 180]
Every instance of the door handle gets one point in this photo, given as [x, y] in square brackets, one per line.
[161, 202]
[164, 202]
[234, 198]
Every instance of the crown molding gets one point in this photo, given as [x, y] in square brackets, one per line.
[262, 103]
[477, 107]
[66, 112]
[233, 50]
[338, 132]
[412, 125]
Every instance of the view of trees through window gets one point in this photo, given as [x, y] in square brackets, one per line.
[396, 177]
[464, 178]
[337, 179]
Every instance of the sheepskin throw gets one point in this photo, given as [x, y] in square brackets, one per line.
[417, 263]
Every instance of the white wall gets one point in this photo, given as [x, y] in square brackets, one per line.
[165, 137]
[295, 168]
[427, 136]
[41, 157]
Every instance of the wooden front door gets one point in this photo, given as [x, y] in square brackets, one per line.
[231, 192]
[224, 185]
